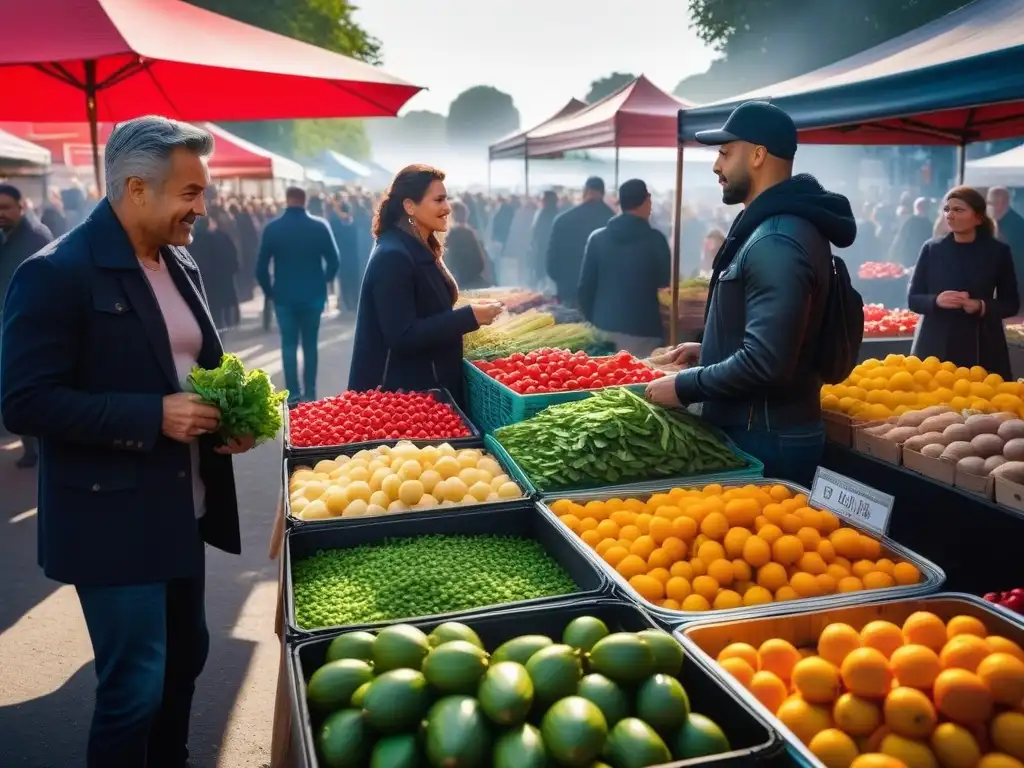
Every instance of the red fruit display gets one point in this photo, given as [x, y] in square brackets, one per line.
[1013, 599]
[879, 321]
[881, 270]
[559, 370]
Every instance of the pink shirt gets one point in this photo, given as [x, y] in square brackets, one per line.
[186, 342]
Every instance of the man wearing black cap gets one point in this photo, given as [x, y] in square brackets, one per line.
[569, 236]
[757, 372]
[624, 265]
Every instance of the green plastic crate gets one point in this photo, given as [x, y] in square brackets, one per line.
[492, 405]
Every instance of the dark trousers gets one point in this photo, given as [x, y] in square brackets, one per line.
[791, 453]
[299, 324]
[150, 643]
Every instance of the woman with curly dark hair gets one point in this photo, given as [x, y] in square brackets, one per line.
[408, 333]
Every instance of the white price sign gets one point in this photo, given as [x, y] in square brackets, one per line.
[855, 501]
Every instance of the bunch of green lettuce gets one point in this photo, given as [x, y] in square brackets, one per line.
[248, 402]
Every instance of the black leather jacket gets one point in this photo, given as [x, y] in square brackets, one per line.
[764, 315]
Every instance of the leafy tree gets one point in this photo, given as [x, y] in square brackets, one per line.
[479, 115]
[606, 86]
[765, 41]
[324, 23]
[420, 128]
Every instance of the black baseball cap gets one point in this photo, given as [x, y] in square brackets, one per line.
[632, 194]
[756, 122]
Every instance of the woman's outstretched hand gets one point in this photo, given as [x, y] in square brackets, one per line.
[485, 313]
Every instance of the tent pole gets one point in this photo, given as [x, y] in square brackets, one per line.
[91, 114]
[673, 324]
[961, 163]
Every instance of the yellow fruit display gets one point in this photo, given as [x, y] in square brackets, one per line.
[689, 547]
[878, 389]
[398, 478]
[927, 694]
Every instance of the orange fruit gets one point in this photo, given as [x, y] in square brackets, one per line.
[962, 696]
[698, 567]
[643, 522]
[846, 542]
[1004, 676]
[804, 719]
[811, 562]
[870, 549]
[826, 583]
[659, 558]
[849, 584]
[604, 546]
[571, 522]
[877, 760]
[727, 599]
[742, 512]
[670, 604]
[862, 568]
[965, 625]
[827, 551]
[661, 574]
[755, 595]
[964, 652]
[805, 585]
[787, 550]
[683, 569]
[659, 529]
[739, 669]
[1000, 644]
[883, 636]
[866, 673]
[771, 576]
[643, 547]
[756, 552]
[722, 572]
[885, 565]
[615, 554]
[734, 541]
[837, 572]
[678, 588]
[791, 523]
[710, 551]
[629, 533]
[588, 524]
[648, 587]
[913, 754]
[997, 760]
[769, 690]
[910, 713]
[1008, 734]
[810, 538]
[954, 746]
[778, 657]
[706, 587]
[816, 680]
[906, 574]
[715, 526]
[878, 580]
[770, 533]
[743, 651]
[591, 538]
[856, 716]
[915, 666]
[696, 603]
[684, 528]
[785, 593]
[927, 629]
[834, 748]
[742, 571]
[630, 566]
[837, 641]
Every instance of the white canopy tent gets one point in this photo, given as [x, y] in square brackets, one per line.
[1003, 170]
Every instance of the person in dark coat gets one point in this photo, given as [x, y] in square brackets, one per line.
[1009, 228]
[624, 266]
[463, 254]
[915, 230]
[349, 276]
[20, 236]
[248, 246]
[214, 252]
[963, 286]
[100, 332]
[408, 333]
[569, 236]
[540, 238]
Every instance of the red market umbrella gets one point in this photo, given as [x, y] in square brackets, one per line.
[111, 60]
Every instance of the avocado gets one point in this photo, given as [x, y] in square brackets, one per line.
[520, 649]
[506, 693]
[399, 647]
[574, 731]
[357, 697]
[609, 698]
[396, 700]
[455, 667]
[399, 751]
[624, 657]
[343, 741]
[555, 671]
[581, 633]
[331, 687]
[453, 630]
[700, 736]
[634, 744]
[668, 654]
[662, 703]
[521, 747]
[351, 645]
[457, 734]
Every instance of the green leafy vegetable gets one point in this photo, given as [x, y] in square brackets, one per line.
[248, 402]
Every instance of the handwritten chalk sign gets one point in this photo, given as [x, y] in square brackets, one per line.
[858, 503]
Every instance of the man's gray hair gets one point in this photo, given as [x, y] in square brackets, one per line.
[142, 147]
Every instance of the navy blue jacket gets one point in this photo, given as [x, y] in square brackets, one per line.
[305, 258]
[86, 363]
[407, 334]
[624, 265]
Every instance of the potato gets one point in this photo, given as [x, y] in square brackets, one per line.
[982, 424]
[992, 462]
[1014, 449]
[901, 434]
[933, 451]
[955, 432]
[1011, 429]
[880, 430]
[931, 438]
[971, 465]
[1011, 470]
[986, 445]
[956, 451]
[940, 422]
[937, 410]
[913, 418]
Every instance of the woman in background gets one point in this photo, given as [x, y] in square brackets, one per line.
[463, 253]
[963, 286]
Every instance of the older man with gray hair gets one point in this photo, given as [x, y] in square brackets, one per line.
[100, 331]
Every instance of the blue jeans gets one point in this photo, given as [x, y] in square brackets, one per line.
[150, 642]
[299, 323]
[790, 454]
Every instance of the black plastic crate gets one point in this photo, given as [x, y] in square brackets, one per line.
[524, 520]
[753, 740]
[309, 460]
[443, 395]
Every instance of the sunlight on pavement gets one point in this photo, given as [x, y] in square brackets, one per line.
[26, 515]
[271, 361]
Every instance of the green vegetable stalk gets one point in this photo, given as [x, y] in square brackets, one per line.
[613, 437]
[248, 402]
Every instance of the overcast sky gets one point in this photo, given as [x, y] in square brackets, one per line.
[547, 52]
